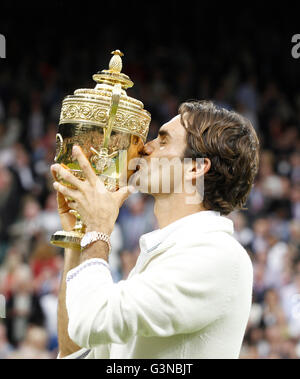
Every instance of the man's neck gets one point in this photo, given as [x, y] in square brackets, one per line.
[172, 207]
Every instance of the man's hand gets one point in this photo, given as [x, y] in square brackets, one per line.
[98, 208]
[67, 219]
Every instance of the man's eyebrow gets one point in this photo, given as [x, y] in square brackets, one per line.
[163, 133]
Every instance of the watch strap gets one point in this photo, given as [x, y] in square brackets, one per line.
[92, 237]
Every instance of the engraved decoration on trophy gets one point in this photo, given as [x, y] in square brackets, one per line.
[109, 126]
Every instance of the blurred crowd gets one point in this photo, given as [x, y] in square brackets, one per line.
[30, 99]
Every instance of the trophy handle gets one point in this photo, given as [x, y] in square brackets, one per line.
[102, 158]
[115, 99]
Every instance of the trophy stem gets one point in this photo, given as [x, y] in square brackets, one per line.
[70, 239]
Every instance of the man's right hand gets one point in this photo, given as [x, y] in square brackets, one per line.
[67, 219]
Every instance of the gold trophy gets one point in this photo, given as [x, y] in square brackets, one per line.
[109, 126]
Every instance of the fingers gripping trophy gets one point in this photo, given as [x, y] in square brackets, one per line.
[111, 129]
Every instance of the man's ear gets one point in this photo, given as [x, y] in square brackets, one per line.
[197, 168]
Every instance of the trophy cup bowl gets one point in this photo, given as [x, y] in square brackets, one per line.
[111, 129]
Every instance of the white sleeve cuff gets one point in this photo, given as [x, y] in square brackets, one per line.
[90, 263]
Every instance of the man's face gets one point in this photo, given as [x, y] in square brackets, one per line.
[161, 163]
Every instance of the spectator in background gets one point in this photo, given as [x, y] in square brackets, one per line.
[34, 345]
[9, 207]
[272, 311]
[290, 299]
[5, 347]
[247, 99]
[49, 307]
[275, 263]
[36, 119]
[295, 167]
[23, 306]
[294, 241]
[49, 218]
[135, 219]
[12, 261]
[22, 167]
[11, 129]
[42, 148]
[242, 232]
[272, 185]
[13, 124]
[29, 227]
[295, 201]
[45, 264]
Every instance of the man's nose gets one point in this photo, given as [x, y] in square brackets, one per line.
[147, 149]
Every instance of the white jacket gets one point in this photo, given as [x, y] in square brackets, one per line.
[188, 296]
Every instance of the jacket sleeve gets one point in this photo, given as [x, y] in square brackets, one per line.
[179, 292]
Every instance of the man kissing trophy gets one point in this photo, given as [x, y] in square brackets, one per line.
[109, 126]
[189, 294]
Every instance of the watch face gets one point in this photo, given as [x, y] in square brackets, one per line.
[87, 239]
[84, 241]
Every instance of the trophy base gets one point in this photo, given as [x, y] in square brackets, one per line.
[67, 240]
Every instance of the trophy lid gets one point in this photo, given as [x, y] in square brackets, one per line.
[114, 75]
[91, 106]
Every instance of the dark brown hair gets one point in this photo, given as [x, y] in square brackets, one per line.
[230, 142]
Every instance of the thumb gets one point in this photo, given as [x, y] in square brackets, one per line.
[122, 194]
[62, 204]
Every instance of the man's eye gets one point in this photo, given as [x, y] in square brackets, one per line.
[162, 142]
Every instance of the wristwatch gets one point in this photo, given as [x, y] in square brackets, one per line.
[91, 237]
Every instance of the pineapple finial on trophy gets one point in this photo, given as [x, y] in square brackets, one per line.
[115, 63]
[113, 75]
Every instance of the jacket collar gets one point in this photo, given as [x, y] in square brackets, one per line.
[160, 240]
[203, 221]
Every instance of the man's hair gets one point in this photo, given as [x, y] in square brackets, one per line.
[230, 142]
